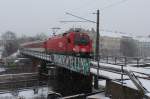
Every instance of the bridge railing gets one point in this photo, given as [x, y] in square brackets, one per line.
[120, 66]
[121, 60]
[77, 64]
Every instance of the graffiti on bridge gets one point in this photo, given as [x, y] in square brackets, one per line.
[77, 64]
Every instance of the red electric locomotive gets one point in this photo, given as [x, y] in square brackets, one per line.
[72, 43]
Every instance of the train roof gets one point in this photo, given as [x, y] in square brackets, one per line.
[32, 42]
[66, 33]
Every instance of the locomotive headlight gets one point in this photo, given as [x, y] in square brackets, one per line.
[74, 49]
[83, 50]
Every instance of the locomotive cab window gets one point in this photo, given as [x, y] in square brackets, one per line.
[81, 39]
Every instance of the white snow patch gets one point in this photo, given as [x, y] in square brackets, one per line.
[2, 69]
[102, 83]
[145, 83]
[107, 74]
[98, 96]
[128, 67]
[27, 94]
[148, 94]
[128, 83]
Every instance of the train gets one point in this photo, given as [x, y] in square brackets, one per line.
[76, 43]
[71, 43]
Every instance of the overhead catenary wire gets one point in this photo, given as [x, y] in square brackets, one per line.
[72, 21]
[101, 9]
[106, 7]
[87, 20]
[83, 5]
[113, 4]
[80, 17]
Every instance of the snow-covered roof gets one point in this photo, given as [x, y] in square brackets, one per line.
[121, 34]
[113, 34]
[142, 39]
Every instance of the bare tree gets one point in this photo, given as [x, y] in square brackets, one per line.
[128, 47]
[10, 43]
[41, 36]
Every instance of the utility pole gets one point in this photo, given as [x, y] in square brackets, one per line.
[97, 50]
[97, 42]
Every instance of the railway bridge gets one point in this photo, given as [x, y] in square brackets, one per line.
[82, 71]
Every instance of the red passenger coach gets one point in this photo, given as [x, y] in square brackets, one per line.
[34, 45]
[73, 43]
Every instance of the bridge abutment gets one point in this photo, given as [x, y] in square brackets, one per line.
[116, 90]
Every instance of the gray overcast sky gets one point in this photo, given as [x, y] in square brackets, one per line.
[36, 16]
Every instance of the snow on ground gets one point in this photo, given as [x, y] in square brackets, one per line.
[27, 94]
[128, 83]
[128, 67]
[107, 74]
[145, 83]
[0, 55]
[148, 94]
[14, 55]
[2, 69]
[98, 96]
[139, 69]
[102, 83]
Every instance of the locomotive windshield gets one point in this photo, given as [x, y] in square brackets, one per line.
[81, 39]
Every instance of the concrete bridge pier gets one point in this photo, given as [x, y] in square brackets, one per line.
[95, 81]
[70, 83]
[43, 68]
[65, 82]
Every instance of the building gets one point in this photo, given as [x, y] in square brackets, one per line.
[109, 44]
[143, 46]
